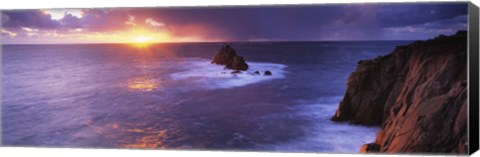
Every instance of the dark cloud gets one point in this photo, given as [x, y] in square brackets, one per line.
[312, 22]
[4, 17]
[242, 23]
[459, 22]
[410, 14]
[104, 20]
[444, 26]
[28, 18]
[70, 21]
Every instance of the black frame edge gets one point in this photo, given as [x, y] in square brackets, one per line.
[473, 42]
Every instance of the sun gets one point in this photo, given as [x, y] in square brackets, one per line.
[142, 39]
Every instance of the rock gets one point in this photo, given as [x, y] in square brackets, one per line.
[268, 73]
[228, 57]
[374, 82]
[256, 73]
[238, 63]
[225, 55]
[369, 148]
[417, 94]
[236, 72]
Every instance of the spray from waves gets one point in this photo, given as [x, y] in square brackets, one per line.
[212, 76]
[325, 134]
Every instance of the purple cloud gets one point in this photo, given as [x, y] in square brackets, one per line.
[310, 22]
[28, 18]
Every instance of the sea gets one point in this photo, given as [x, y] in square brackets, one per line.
[170, 96]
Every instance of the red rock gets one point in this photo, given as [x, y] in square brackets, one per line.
[417, 94]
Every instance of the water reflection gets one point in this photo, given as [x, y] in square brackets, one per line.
[143, 83]
[131, 135]
[149, 138]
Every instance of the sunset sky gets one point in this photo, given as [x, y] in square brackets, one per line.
[266, 23]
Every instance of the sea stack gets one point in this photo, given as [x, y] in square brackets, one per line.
[228, 57]
[417, 94]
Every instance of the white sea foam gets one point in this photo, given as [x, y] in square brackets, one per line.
[213, 76]
[325, 134]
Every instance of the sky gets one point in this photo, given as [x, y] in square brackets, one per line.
[327, 22]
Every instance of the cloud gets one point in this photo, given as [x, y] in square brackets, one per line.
[8, 33]
[4, 17]
[154, 23]
[58, 14]
[93, 19]
[107, 20]
[313, 22]
[70, 22]
[444, 26]
[459, 22]
[395, 15]
[29, 29]
[28, 18]
[131, 20]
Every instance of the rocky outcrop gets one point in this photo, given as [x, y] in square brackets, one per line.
[238, 63]
[417, 94]
[374, 83]
[228, 57]
[268, 73]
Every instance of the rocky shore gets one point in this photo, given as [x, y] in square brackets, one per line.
[228, 56]
[417, 94]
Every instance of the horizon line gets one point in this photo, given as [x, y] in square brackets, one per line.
[197, 42]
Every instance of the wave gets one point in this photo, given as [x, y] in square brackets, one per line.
[325, 135]
[212, 76]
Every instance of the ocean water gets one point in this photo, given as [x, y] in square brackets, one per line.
[169, 96]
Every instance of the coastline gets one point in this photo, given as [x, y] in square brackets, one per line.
[417, 94]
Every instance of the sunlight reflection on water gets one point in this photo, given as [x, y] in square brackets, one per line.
[149, 139]
[143, 83]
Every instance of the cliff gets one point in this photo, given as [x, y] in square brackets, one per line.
[417, 94]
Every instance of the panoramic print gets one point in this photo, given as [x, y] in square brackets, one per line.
[332, 78]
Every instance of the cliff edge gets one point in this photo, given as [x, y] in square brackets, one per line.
[417, 94]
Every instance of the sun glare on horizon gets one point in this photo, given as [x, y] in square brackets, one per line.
[142, 39]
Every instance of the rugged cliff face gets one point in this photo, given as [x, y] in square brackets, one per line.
[418, 94]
